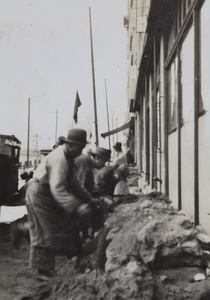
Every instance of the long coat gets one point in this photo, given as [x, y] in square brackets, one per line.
[52, 197]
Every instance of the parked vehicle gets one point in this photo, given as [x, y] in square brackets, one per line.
[9, 164]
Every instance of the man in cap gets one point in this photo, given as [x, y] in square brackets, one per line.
[52, 199]
[121, 173]
[86, 167]
[120, 157]
[97, 178]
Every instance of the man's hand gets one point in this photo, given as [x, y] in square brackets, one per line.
[96, 202]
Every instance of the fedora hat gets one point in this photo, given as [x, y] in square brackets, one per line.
[76, 136]
[118, 146]
[103, 153]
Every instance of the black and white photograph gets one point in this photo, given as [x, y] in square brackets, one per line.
[104, 150]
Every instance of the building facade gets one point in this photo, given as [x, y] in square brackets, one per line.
[135, 23]
[170, 103]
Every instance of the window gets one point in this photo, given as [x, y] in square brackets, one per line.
[131, 4]
[131, 43]
[205, 62]
[158, 112]
[187, 77]
[173, 92]
[131, 60]
[181, 9]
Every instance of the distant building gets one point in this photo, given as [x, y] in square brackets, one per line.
[135, 23]
[44, 152]
[34, 158]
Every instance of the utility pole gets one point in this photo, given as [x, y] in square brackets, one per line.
[107, 110]
[117, 127]
[28, 139]
[112, 126]
[93, 76]
[56, 125]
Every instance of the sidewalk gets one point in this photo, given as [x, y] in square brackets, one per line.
[9, 214]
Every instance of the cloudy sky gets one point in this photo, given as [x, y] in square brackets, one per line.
[45, 55]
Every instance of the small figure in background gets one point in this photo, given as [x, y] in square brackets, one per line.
[120, 157]
[130, 158]
[121, 188]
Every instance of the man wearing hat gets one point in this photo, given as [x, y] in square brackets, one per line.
[98, 179]
[86, 167]
[120, 157]
[52, 199]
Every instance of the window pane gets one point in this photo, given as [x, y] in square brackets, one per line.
[205, 61]
[173, 95]
[187, 77]
[158, 122]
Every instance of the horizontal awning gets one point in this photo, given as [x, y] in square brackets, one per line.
[116, 130]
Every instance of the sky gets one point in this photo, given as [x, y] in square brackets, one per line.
[45, 55]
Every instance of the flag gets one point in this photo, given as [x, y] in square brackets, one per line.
[76, 106]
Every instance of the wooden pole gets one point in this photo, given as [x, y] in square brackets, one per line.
[93, 76]
[107, 110]
[56, 125]
[117, 127]
[28, 140]
[112, 126]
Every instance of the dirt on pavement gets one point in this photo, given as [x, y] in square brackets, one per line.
[138, 233]
[17, 280]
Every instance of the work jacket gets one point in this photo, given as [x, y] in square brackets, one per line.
[56, 174]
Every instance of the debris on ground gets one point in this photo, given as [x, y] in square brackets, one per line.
[154, 252]
[148, 250]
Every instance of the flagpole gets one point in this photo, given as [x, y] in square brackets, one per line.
[107, 110]
[117, 127]
[93, 76]
[28, 133]
[56, 125]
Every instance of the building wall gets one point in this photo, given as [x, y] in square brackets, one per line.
[204, 122]
[204, 171]
[137, 13]
[172, 104]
